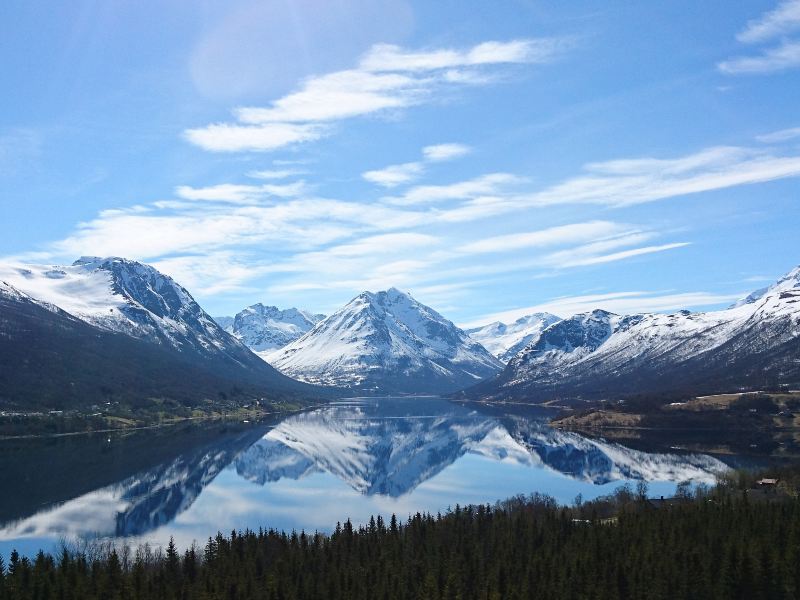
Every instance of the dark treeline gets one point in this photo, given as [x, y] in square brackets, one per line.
[713, 545]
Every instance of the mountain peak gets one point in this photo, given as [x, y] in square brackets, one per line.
[387, 341]
[266, 328]
[393, 291]
[789, 281]
[506, 340]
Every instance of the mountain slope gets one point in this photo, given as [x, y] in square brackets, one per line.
[387, 342]
[504, 340]
[117, 330]
[267, 328]
[753, 344]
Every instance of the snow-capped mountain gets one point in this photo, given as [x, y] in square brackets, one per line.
[505, 340]
[109, 327]
[264, 329]
[124, 296]
[755, 343]
[387, 342]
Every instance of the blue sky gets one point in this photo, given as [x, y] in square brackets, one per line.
[490, 158]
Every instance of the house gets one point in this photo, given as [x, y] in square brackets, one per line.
[668, 502]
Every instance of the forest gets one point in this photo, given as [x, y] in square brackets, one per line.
[705, 543]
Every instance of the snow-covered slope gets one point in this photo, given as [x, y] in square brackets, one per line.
[124, 296]
[790, 281]
[387, 342]
[752, 344]
[264, 329]
[505, 340]
[106, 328]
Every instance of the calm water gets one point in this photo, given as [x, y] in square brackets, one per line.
[307, 471]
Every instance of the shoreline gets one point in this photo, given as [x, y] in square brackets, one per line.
[169, 423]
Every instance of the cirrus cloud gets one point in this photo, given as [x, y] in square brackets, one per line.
[386, 78]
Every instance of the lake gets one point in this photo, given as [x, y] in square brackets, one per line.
[306, 471]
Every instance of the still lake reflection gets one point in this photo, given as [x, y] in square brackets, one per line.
[307, 471]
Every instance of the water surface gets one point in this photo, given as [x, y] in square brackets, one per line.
[307, 471]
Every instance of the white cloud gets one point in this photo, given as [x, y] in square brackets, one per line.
[634, 181]
[239, 194]
[385, 57]
[386, 78]
[210, 273]
[614, 183]
[276, 173]
[394, 175]
[616, 302]
[779, 136]
[159, 230]
[564, 234]
[779, 58]
[780, 21]
[227, 137]
[584, 256]
[440, 152]
[302, 240]
[777, 23]
[484, 185]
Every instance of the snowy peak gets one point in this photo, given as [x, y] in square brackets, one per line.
[267, 328]
[790, 281]
[390, 342]
[124, 296]
[584, 332]
[505, 340]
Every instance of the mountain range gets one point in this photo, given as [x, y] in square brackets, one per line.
[754, 344]
[115, 330]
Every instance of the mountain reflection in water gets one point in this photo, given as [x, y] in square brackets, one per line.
[350, 459]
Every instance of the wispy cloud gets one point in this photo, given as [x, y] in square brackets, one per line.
[564, 234]
[440, 152]
[614, 183]
[276, 173]
[395, 175]
[634, 181]
[485, 185]
[589, 255]
[777, 23]
[227, 137]
[240, 194]
[780, 21]
[779, 136]
[387, 78]
[617, 302]
[779, 58]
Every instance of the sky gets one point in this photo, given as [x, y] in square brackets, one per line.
[492, 159]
